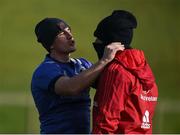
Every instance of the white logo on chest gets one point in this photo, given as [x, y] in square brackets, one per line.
[145, 124]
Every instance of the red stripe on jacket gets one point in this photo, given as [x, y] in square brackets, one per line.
[126, 96]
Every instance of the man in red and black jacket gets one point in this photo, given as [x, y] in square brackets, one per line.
[126, 94]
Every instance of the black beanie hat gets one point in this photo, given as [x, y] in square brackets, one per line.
[118, 27]
[47, 29]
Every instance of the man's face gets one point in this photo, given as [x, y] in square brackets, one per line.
[64, 42]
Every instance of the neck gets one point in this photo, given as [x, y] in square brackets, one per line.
[60, 57]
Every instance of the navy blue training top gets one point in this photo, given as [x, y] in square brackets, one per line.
[60, 114]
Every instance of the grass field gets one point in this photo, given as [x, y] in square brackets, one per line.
[157, 34]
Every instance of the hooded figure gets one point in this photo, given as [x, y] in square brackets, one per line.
[118, 27]
[126, 94]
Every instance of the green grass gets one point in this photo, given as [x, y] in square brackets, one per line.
[13, 119]
[167, 123]
[157, 34]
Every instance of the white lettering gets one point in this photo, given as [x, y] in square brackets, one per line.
[151, 98]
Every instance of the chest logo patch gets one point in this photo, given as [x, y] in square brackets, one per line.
[145, 124]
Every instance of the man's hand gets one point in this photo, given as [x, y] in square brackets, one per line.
[74, 85]
[110, 51]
